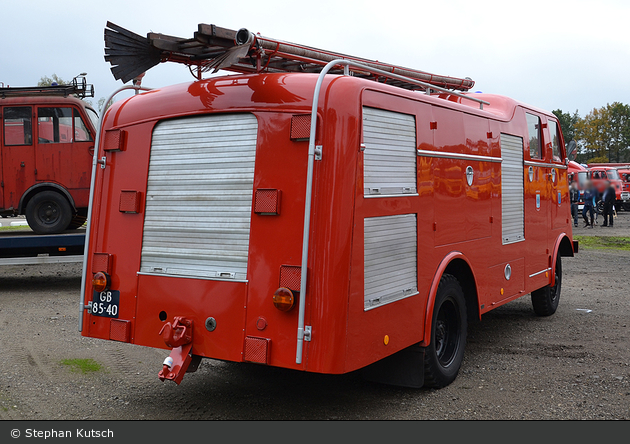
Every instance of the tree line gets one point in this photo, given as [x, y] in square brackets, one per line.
[603, 135]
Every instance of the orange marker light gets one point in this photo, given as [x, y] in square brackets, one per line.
[386, 340]
[501, 291]
[283, 299]
[100, 281]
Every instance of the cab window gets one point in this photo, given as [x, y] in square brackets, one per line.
[18, 129]
[54, 125]
[554, 133]
[81, 133]
[533, 128]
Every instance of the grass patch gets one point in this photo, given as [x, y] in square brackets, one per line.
[82, 365]
[17, 228]
[604, 242]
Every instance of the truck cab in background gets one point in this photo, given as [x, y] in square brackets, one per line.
[600, 175]
[46, 144]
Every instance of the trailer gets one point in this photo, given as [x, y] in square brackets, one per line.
[315, 211]
[28, 248]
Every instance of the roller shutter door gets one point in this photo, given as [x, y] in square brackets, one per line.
[390, 255]
[390, 152]
[199, 197]
[512, 212]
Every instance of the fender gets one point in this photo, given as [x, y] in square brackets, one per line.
[426, 340]
[554, 256]
[45, 185]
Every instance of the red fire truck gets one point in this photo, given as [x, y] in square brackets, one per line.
[46, 144]
[300, 214]
[601, 173]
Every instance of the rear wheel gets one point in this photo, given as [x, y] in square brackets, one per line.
[545, 300]
[48, 212]
[444, 355]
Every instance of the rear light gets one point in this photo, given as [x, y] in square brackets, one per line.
[283, 299]
[100, 281]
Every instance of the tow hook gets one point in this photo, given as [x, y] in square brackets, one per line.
[177, 335]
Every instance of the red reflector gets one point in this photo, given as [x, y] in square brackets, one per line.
[114, 140]
[267, 201]
[290, 277]
[433, 125]
[257, 349]
[129, 202]
[119, 330]
[102, 262]
[301, 127]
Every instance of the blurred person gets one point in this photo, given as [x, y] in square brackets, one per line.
[574, 194]
[590, 204]
[609, 200]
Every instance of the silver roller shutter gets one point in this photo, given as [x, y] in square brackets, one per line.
[512, 212]
[391, 252]
[199, 197]
[390, 152]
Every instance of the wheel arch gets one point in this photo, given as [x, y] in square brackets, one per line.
[563, 247]
[456, 264]
[47, 186]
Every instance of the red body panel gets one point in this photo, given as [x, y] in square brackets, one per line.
[454, 222]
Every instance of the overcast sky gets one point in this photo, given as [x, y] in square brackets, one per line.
[572, 55]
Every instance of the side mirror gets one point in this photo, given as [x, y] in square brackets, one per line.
[572, 150]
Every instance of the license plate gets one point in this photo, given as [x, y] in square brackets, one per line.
[106, 303]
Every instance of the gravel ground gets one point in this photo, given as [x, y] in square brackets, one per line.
[573, 365]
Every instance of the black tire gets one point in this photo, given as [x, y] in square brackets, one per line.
[626, 206]
[444, 355]
[545, 300]
[48, 212]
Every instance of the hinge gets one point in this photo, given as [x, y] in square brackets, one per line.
[103, 162]
[362, 147]
[307, 333]
[2, 184]
[318, 152]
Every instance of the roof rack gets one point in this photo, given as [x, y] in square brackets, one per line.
[214, 48]
[80, 88]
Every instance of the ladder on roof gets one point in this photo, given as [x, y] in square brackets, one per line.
[214, 48]
[80, 88]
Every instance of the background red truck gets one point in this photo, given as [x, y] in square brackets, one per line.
[600, 173]
[46, 144]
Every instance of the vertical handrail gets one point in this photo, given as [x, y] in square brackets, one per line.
[97, 143]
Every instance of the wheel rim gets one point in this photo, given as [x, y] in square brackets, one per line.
[447, 332]
[554, 289]
[48, 213]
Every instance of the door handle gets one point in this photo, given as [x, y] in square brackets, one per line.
[22, 164]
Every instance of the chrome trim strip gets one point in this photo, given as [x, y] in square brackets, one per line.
[540, 272]
[445, 155]
[545, 165]
[203, 278]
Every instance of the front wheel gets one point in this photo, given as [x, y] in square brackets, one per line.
[48, 212]
[545, 300]
[444, 355]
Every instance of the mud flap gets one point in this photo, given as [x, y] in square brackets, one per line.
[404, 368]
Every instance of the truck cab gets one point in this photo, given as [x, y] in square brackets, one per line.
[600, 175]
[46, 144]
